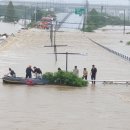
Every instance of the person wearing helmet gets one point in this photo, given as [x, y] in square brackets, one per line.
[29, 72]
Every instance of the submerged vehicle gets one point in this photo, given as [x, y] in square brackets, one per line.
[27, 81]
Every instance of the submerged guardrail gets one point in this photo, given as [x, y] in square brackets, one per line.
[125, 57]
[127, 82]
[63, 20]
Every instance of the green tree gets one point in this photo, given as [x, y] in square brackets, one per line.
[97, 20]
[37, 16]
[41, 13]
[65, 78]
[10, 13]
[2, 10]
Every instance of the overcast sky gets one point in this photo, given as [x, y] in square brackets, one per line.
[115, 2]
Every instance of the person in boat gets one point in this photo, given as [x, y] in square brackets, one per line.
[29, 72]
[85, 74]
[11, 73]
[5, 35]
[93, 74]
[38, 72]
[76, 71]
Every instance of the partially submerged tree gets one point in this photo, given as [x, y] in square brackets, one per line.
[10, 13]
[65, 78]
[97, 20]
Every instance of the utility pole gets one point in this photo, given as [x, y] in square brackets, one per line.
[35, 12]
[53, 30]
[51, 34]
[129, 12]
[67, 54]
[66, 61]
[124, 23]
[85, 15]
[102, 9]
[25, 17]
[55, 48]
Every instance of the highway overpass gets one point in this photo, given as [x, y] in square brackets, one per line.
[115, 10]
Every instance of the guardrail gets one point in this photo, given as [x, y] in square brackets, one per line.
[125, 57]
[111, 81]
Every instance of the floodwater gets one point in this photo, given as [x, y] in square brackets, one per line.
[73, 23]
[114, 41]
[9, 28]
[99, 107]
[56, 108]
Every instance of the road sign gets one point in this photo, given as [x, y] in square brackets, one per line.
[79, 11]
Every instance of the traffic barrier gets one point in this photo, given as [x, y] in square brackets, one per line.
[60, 23]
[125, 57]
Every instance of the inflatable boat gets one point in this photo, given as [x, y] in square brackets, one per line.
[21, 80]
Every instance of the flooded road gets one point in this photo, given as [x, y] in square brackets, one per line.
[9, 28]
[114, 38]
[100, 107]
[73, 23]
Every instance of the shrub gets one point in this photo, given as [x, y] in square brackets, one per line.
[49, 76]
[64, 78]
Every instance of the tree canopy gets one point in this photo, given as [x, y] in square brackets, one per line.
[97, 20]
[10, 13]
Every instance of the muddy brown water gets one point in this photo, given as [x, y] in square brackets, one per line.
[99, 107]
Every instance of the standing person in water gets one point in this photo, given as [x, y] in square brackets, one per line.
[93, 74]
[76, 71]
[85, 74]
